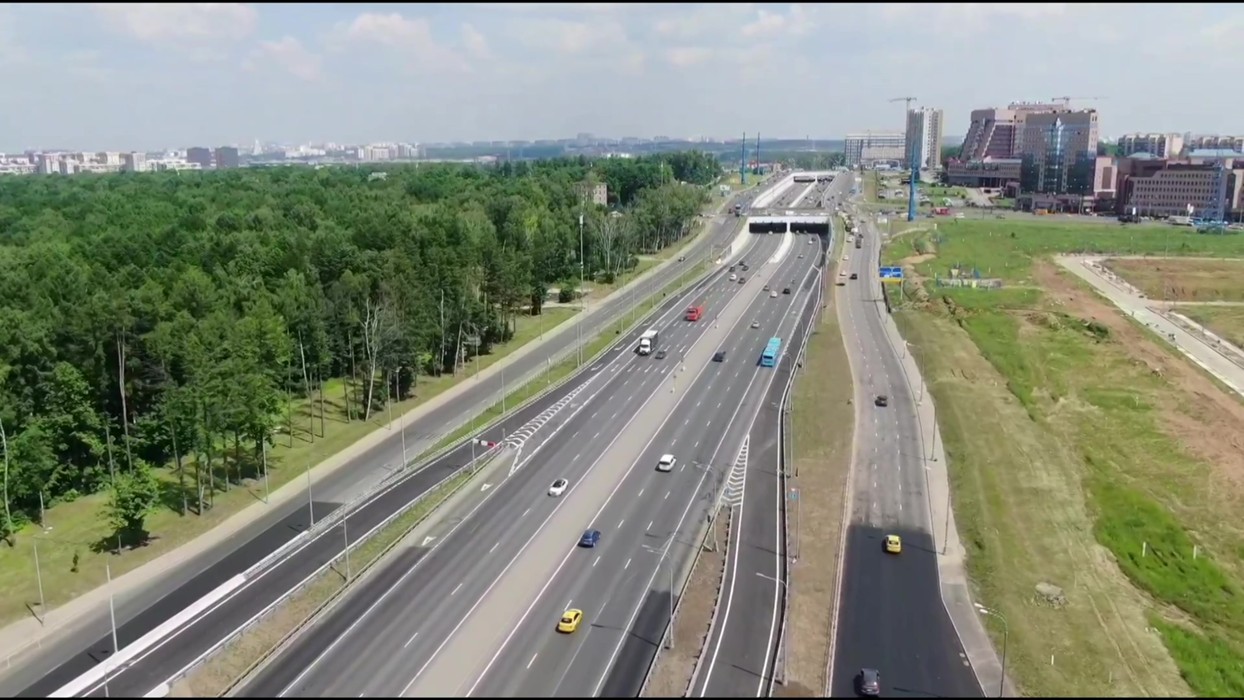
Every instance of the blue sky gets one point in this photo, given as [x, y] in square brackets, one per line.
[132, 76]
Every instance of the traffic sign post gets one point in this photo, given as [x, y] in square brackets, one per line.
[891, 275]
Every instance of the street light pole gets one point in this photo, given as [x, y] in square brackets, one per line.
[579, 325]
[665, 558]
[1006, 633]
[782, 641]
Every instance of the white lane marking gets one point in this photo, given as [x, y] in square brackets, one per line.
[620, 523]
[525, 513]
[597, 560]
[456, 589]
[641, 492]
[627, 565]
[533, 660]
[649, 528]
[408, 641]
[494, 547]
[667, 495]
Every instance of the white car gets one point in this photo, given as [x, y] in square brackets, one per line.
[755, 324]
[846, 258]
[733, 277]
[773, 295]
[842, 273]
[666, 463]
[558, 487]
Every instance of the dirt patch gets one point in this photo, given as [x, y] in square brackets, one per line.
[674, 666]
[913, 260]
[1208, 421]
[1176, 279]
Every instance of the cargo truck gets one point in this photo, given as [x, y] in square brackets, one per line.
[647, 342]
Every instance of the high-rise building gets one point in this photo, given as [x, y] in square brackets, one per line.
[872, 146]
[134, 162]
[995, 132]
[924, 138]
[199, 155]
[226, 157]
[1160, 145]
[1059, 152]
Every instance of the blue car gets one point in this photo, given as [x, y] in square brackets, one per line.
[589, 538]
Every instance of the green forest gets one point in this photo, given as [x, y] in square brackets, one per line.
[165, 320]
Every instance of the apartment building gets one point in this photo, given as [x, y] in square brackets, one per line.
[872, 146]
[1160, 145]
[1213, 141]
[924, 138]
[1059, 152]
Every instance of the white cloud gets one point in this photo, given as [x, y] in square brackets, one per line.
[772, 25]
[173, 24]
[475, 43]
[410, 37]
[687, 56]
[562, 8]
[570, 37]
[288, 53]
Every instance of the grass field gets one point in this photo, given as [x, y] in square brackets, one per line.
[1172, 279]
[1005, 249]
[74, 528]
[732, 179]
[822, 427]
[1086, 455]
[1227, 322]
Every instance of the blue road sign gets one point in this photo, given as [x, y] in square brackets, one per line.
[891, 273]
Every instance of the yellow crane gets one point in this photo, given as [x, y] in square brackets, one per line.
[906, 100]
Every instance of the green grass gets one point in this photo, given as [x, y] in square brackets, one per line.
[75, 527]
[1059, 442]
[733, 180]
[559, 371]
[1005, 249]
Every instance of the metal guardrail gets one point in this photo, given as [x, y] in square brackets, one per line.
[712, 620]
[681, 290]
[337, 595]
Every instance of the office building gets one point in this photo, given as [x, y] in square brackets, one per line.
[996, 132]
[1059, 152]
[1160, 145]
[870, 147]
[226, 157]
[1213, 141]
[1150, 186]
[924, 138]
[200, 156]
[990, 172]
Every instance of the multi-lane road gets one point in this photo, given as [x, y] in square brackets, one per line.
[890, 612]
[740, 653]
[477, 613]
[152, 605]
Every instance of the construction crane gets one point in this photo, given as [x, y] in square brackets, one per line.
[915, 164]
[906, 100]
[1066, 99]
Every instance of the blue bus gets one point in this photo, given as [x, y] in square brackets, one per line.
[772, 351]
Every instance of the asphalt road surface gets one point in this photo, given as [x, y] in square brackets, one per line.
[624, 585]
[164, 599]
[890, 614]
[380, 638]
[739, 654]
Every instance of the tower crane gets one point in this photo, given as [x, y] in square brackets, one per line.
[912, 155]
[1066, 99]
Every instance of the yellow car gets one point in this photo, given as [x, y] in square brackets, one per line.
[570, 621]
[893, 544]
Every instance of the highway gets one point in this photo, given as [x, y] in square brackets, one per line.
[150, 607]
[649, 524]
[890, 611]
[740, 652]
[379, 639]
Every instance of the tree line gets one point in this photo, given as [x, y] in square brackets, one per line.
[166, 320]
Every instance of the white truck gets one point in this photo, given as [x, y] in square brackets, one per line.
[647, 342]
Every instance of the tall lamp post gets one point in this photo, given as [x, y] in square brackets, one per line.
[664, 553]
[579, 325]
[1006, 633]
[781, 675]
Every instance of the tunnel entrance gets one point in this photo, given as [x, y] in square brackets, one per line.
[817, 225]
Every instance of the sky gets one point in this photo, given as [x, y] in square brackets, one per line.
[150, 76]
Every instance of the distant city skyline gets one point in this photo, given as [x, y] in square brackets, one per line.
[149, 76]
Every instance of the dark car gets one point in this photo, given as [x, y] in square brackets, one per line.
[590, 538]
[719, 356]
[786, 290]
[854, 276]
[660, 354]
[882, 401]
[742, 279]
[868, 682]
